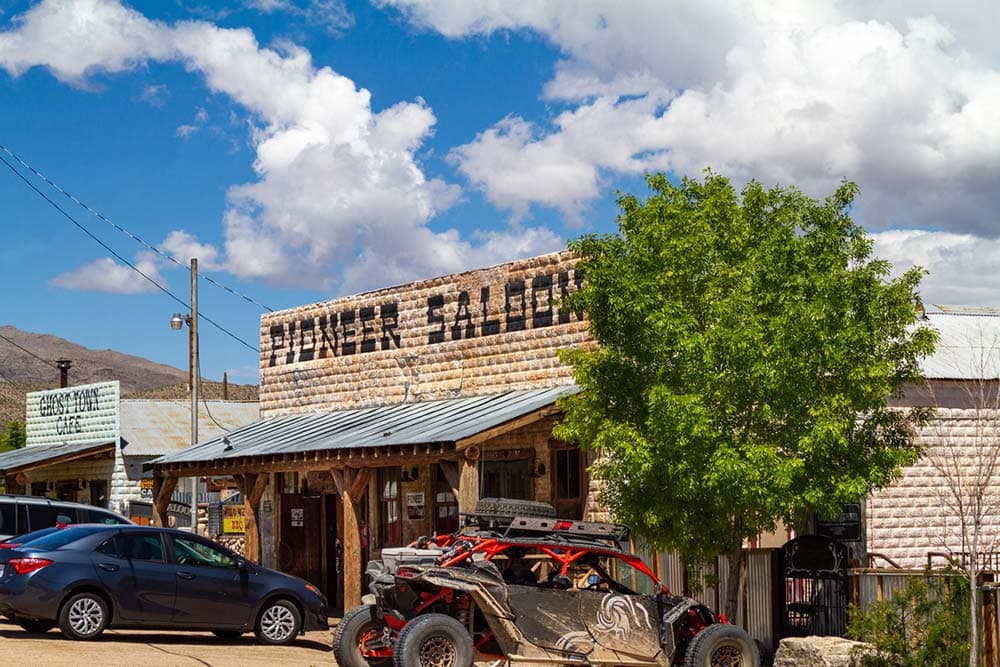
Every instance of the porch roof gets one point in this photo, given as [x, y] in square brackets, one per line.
[446, 424]
[39, 456]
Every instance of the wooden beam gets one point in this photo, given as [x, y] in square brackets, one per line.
[352, 544]
[261, 465]
[163, 489]
[468, 482]
[252, 487]
[506, 427]
[360, 484]
[450, 471]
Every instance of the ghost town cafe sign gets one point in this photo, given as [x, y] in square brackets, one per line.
[489, 310]
[69, 407]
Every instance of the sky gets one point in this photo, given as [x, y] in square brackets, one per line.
[308, 149]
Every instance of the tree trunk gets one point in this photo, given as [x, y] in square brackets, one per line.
[974, 614]
[733, 581]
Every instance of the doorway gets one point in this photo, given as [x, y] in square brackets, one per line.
[300, 550]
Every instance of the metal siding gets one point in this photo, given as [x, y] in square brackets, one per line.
[401, 424]
[27, 456]
[758, 620]
[968, 348]
[157, 427]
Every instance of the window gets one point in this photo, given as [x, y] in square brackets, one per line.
[142, 546]
[445, 506]
[41, 516]
[61, 538]
[506, 479]
[8, 523]
[109, 548]
[391, 526]
[567, 485]
[107, 518]
[98, 492]
[189, 551]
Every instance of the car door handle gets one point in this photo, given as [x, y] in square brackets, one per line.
[185, 575]
[108, 567]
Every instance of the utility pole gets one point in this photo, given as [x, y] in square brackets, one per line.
[176, 322]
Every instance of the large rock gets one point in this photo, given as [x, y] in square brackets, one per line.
[817, 652]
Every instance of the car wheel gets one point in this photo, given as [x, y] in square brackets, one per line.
[278, 623]
[512, 507]
[356, 626]
[722, 645]
[433, 640]
[39, 625]
[83, 616]
[228, 635]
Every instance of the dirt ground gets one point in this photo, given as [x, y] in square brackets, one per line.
[152, 649]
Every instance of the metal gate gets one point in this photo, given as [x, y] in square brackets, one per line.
[815, 584]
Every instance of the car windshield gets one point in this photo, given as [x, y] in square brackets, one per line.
[61, 538]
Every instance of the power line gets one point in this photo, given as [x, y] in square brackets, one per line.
[27, 351]
[126, 232]
[129, 264]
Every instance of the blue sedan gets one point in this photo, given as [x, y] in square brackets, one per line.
[86, 578]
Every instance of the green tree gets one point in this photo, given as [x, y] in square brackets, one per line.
[748, 346]
[13, 438]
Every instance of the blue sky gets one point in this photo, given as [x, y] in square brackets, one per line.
[309, 149]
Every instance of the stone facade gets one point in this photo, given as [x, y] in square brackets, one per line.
[475, 333]
[911, 518]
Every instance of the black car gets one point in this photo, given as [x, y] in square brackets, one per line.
[22, 514]
[86, 578]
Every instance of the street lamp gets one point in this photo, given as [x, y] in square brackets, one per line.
[176, 323]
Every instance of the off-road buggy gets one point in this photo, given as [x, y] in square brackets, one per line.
[517, 586]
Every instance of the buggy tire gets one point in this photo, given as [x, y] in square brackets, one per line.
[347, 639]
[512, 507]
[722, 644]
[84, 616]
[36, 625]
[278, 622]
[433, 640]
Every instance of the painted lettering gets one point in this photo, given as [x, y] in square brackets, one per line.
[435, 320]
[463, 315]
[347, 344]
[514, 305]
[390, 320]
[367, 329]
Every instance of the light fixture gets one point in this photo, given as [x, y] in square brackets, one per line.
[177, 321]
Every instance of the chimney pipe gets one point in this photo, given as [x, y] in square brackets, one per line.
[225, 386]
[63, 365]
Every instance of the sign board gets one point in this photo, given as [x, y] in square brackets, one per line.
[74, 415]
[846, 527]
[298, 517]
[233, 519]
[472, 330]
[146, 488]
[415, 505]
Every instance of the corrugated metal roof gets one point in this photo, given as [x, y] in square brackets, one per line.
[157, 427]
[423, 422]
[31, 456]
[969, 346]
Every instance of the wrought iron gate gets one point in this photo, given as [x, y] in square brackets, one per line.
[815, 577]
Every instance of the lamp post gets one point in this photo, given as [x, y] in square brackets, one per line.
[176, 322]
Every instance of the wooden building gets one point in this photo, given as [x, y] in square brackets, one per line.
[385, 414]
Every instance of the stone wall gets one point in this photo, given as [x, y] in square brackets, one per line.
[910, 518]
[475, 333]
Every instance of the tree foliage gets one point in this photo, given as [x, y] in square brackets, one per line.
[924, 623]
[748, 343]
[13, 438]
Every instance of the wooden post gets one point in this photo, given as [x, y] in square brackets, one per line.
[468, 482]
[252, 487]
[351, 485]
[163, 489]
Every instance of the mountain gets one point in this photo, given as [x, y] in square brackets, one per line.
[20, 372]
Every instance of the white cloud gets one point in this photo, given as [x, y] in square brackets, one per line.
[334, 179]
[106, 275]
[789, 92]
[962, 269]
[183, 246]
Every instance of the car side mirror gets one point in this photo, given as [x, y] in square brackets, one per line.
[242, 565]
